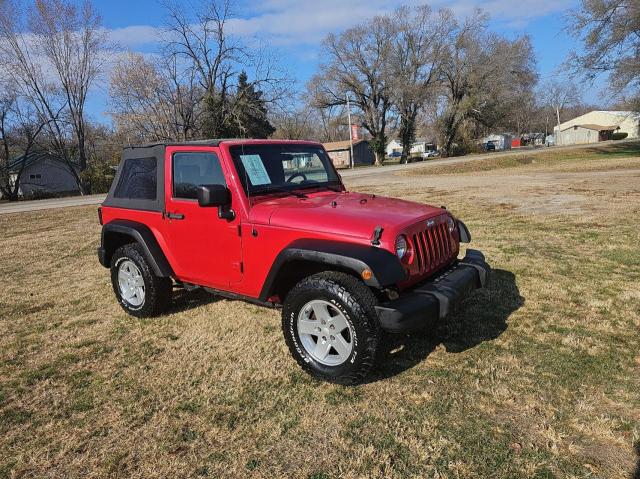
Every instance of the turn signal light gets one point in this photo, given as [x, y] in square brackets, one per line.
[366, 274]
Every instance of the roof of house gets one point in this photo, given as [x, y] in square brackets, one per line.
[591, 126]
[340, 145]
[618, 112]
[21, 162]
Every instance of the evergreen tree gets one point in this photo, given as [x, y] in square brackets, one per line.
[243, 115]
[250, 111]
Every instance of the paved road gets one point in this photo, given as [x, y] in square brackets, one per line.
[23, 206]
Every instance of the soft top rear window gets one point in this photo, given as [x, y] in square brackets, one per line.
[138, 179]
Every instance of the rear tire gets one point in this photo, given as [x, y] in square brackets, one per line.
[139, 291]
[331, 327]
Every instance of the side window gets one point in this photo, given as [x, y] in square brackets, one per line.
[193, 169]
[138, 179]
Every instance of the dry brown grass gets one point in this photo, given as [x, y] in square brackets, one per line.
[562, 159]
[538, 376]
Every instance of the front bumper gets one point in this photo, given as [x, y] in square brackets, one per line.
[102, 257]
[437, 298]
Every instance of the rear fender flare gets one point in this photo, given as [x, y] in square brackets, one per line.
[140, 234]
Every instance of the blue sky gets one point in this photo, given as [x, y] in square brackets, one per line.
[293, 29]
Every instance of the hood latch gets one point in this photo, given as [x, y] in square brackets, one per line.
[377, 234]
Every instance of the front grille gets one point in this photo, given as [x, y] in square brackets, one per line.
[432, 247]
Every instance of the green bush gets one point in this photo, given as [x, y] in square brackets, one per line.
[98, 176]
[619, 136]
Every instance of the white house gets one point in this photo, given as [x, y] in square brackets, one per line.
[596, 126]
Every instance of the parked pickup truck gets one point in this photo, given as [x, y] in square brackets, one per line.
[271, 222]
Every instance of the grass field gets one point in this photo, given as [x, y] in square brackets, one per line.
[537, 376]
[578, 159]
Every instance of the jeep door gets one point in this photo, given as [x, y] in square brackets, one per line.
[206, 250]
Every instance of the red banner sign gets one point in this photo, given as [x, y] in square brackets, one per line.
[355, 133]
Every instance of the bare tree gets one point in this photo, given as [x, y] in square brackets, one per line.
[558, 96]
[465, 70]
[610, 34]
[357, 64]
[73, 41]
[483, 75]
[330, 120]
[197, 85]
[52, 61]
[154, 100]
[416, 58]
[199, 38]
[19, 130]
[293, 124]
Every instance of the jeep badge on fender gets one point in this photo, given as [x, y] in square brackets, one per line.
[269, 221]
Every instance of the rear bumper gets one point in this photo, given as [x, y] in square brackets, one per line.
[437, 298]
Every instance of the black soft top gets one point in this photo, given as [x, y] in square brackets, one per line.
[139, 181]
[213, 142]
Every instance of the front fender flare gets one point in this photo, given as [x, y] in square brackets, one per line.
[385, 266]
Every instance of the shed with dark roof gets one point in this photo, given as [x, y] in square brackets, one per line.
[340, 153]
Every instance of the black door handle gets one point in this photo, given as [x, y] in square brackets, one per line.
[175, 216]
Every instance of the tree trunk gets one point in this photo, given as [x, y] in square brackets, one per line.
[379, 147]
[407, 134]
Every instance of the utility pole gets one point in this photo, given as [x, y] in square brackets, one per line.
[557, 142]
[351, 160]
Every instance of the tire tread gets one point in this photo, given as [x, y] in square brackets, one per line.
[359, 298]
[157, 289]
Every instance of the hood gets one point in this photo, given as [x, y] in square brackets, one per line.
[352, 214]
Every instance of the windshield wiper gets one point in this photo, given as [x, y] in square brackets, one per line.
[295, 193]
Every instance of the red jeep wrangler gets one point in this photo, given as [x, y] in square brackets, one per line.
[271, 222]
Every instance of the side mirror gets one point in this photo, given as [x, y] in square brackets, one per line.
[213, 195]
[217, 195]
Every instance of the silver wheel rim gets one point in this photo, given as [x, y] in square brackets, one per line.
[131, 283]
[325, 333]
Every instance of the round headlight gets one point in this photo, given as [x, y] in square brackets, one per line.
[451, 223]
[401, 246]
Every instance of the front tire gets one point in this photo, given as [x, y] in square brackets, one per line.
[139, 291]
[331, 327]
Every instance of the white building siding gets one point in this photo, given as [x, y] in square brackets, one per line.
[394, 146]
[628, 121]
[47, 175]
[578, 136]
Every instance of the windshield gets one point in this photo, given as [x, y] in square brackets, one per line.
[281, 167]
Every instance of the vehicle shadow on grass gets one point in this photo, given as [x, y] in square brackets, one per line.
[183, 300]
[636, 474]
[482, 317]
